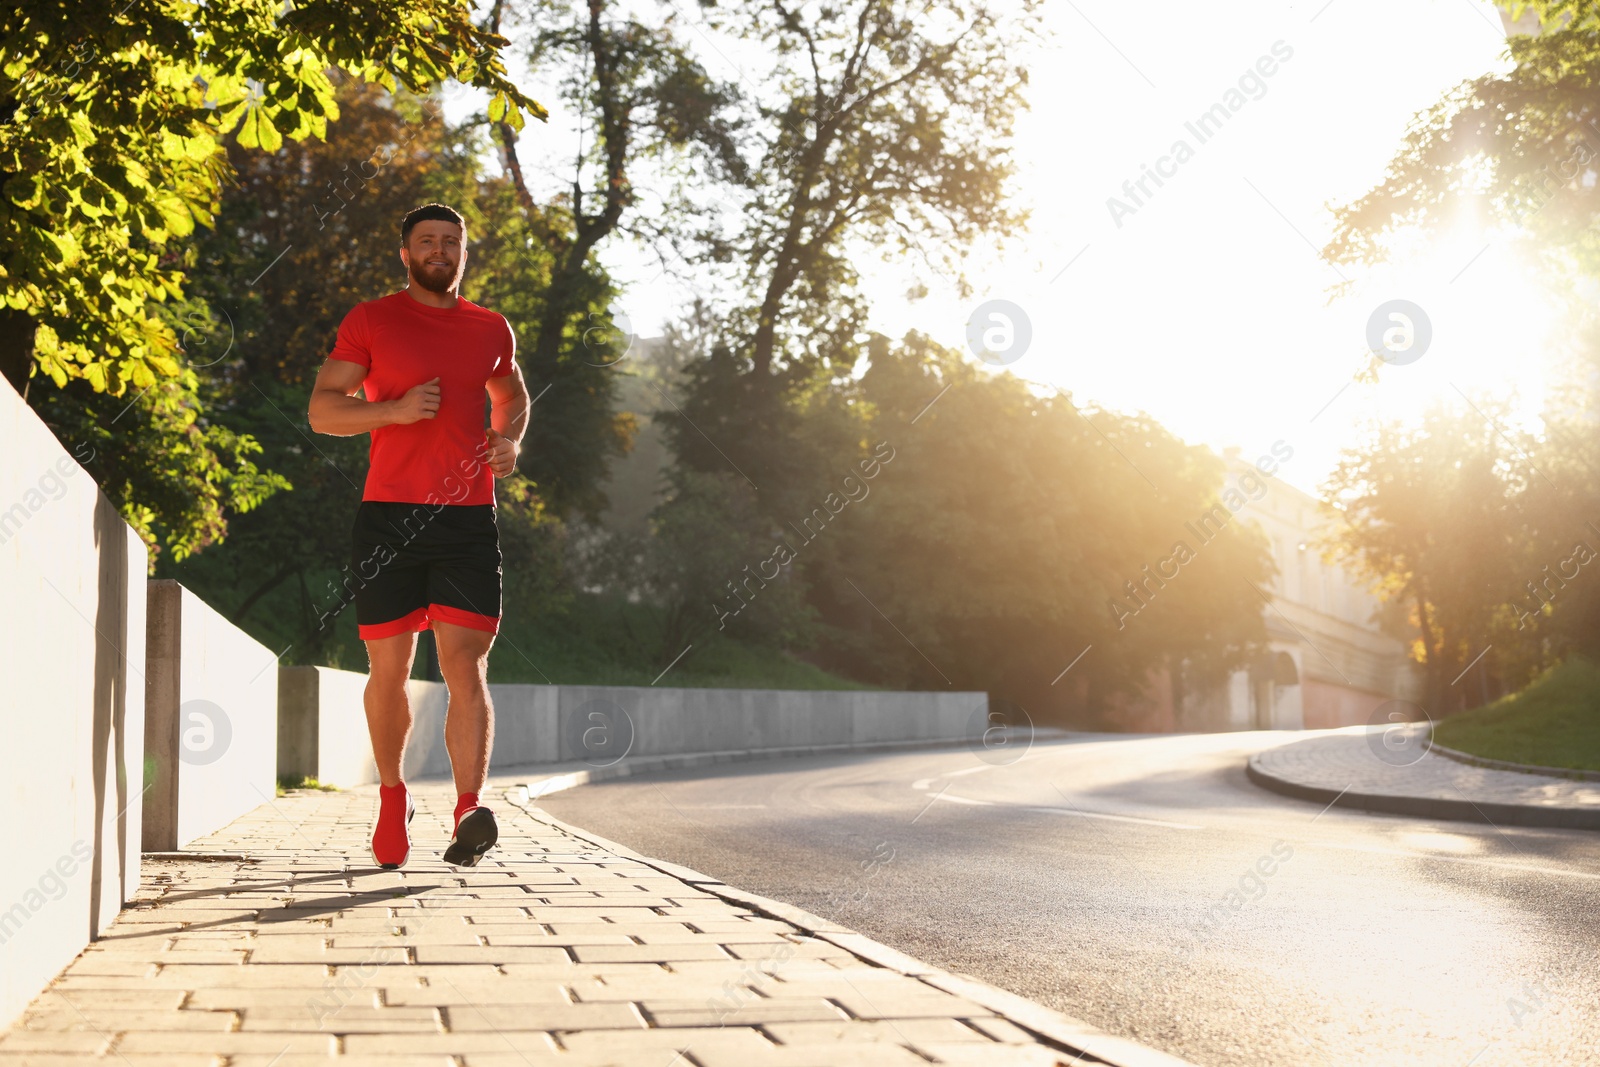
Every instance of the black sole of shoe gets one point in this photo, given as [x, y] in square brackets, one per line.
[475, 836]
[411, 813]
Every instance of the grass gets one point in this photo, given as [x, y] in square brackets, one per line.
[1554, 722]
[607, 641]
[604, 640]
[290, 782]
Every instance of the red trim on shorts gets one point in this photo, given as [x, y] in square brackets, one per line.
[405, 624]
[470, 619]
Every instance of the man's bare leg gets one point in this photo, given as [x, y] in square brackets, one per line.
[389, 724]
[388, 707]
[468, 736]
[469, 720]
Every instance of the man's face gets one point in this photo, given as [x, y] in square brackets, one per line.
[434, 255]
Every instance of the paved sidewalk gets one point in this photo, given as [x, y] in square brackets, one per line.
[276, 943]
[1352, 767]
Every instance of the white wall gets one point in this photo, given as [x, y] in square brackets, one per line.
[333, 748]
[72, 644]
[600, 725]
[211, 727]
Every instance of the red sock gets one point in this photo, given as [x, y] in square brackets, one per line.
[466, 803]
[390, 841]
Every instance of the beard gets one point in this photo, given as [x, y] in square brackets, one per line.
[436, 279]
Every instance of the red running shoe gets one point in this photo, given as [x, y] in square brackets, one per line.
[391, 838]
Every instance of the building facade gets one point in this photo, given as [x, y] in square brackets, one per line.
[1328, 661]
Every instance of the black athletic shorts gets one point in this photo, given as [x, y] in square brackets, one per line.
[414, 564]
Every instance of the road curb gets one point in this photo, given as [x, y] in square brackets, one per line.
[1468, 758]
[1463, 810]
[1086, 1043]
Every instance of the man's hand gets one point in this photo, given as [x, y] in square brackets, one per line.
[502, 453]
[420, 402]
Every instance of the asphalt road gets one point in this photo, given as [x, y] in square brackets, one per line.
[1143, 884]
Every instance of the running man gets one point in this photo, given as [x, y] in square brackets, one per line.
[426, 551]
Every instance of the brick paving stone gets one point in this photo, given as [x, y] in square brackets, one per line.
[78, 1042]
[552, 951]
[227, 1043]
[494, 991]
[538, 939]
[970, 1055]
[669, 986]
[792, 968]
[740, 1011]
[161, 1059]
[645, 953]
[144, 999]
[821, 950]
[647, 1046]
[196, 976]
[452, 933]
[491, 954]
[263, 1059]
[222, 998]
[109, 966]
[878, 1055]
[112, 1022]
[548, 1017]
[346, 1015]
[685, 936]
[209, 956]
[901, 1031]
[536, 1045]
[884, 1004]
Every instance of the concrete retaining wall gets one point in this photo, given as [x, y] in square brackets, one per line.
[211, 720]
[322, 726]
[72, 582]
[600, 725]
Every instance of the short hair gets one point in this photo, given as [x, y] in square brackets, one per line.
[431, 213]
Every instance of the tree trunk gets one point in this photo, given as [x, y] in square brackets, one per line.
[262, 590]
[1431, 651]
[589, 231]
[16, 347]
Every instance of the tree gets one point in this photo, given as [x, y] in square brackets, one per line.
[648, 102]
[174, 473]
[1520, 148]
[328, 212]
[1435, 516]
[884, 122]
[931, 525]
[989, 550]
[110, 147]
[707, 536]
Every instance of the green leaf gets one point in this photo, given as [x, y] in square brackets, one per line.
[257, 131]
[82, 132]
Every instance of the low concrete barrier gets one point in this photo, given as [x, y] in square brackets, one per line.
[322, 726]
[601, 725]
[211, 720]
[72, 582]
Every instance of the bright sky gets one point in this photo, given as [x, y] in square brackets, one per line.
[1208, 306]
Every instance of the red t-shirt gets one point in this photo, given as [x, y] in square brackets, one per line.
[403, 343]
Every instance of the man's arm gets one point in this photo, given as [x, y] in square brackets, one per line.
[508, 420]
[336, 411]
